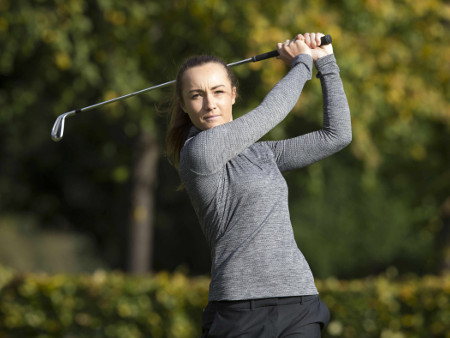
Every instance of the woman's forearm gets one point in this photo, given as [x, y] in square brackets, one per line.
[336, 133]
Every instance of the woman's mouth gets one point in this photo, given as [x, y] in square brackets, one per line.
[211, 117]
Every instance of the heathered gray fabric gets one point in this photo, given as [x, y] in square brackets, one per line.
[240, 196]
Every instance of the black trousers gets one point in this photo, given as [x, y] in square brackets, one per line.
[302, 316]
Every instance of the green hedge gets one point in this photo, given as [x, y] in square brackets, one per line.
[383, 307]
[113, 304]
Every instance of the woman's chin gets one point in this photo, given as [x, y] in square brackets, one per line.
[212, 124]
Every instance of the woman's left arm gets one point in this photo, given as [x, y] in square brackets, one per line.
[336, 133]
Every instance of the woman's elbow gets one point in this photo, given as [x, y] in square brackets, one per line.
[344, 140]
[348, 138]
[340, 140]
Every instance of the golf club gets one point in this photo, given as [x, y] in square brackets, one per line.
[58, 127]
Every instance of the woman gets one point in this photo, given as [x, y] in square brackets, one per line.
[261, 284]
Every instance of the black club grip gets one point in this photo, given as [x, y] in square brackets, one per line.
[324, 40]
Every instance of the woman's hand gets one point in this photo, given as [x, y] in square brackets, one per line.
[312, 40]
[309, 44]
[291, 48]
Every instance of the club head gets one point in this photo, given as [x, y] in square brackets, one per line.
[58, 126]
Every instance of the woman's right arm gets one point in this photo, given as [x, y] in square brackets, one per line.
[211, 149]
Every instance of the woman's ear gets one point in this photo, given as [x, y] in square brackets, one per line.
[233, 95]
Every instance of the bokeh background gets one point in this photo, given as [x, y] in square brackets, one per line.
[101, 205]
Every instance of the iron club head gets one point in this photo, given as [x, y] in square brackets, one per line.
[58, 126]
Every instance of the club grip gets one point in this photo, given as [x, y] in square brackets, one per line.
[324, 40]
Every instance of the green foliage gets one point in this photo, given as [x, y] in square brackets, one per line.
[383, 198]
[346, 230]
[383, 307]
[102, 305]
[170, 305]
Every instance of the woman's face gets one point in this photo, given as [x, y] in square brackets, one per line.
[208, 96]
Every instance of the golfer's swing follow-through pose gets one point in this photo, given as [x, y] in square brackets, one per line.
[261, 284]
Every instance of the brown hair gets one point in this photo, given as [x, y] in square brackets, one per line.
[180, 123]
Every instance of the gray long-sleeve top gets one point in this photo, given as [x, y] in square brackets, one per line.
[240, 196]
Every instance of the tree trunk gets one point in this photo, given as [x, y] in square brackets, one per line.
[142, 204]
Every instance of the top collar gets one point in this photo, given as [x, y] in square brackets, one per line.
[193, 131]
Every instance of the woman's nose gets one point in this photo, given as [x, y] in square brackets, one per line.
[209, 102]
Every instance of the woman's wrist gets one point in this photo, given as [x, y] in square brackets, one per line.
[326, 65]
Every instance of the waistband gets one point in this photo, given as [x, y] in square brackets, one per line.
[250, 304]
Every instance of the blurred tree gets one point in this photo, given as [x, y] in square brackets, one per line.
[375, 204]
[395, 67]
[82, 52]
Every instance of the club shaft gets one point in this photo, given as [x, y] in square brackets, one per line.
[142, 91]
[325, 40]
[165, 84]
[58, 127]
